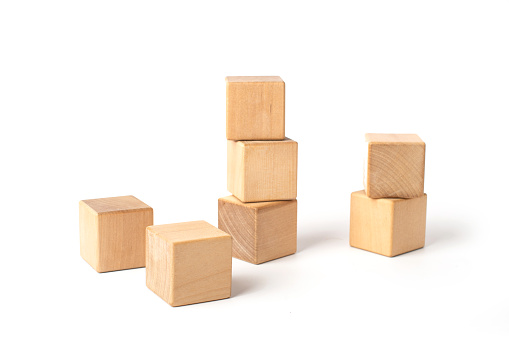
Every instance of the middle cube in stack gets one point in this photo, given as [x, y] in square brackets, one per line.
[262, 167]
[262, 170]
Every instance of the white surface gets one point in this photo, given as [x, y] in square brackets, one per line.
[107, 98]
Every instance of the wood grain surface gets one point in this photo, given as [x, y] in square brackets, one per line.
[394, 166]
[112, 232]
[261, 231]
[255, 108]
[262, 170]
[189, 262]
[387, 226]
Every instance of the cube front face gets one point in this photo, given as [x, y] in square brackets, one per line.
[394, 166]
[262, 170]
[409, 224]
[189, 263]
[202, 271]
[122, 239]
[112, 232]
[261, 231]
[387, 226]
[255, 108]
[276, 230]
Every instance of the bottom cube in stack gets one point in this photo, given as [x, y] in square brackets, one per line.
[261, 231]
[387, 226]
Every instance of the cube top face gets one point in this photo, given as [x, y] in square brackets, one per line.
[189, 263]
[254, 79]
[393, 138]
[262, 170]
[286, 142]
[255, 108]
[389, 202]
[252, 205]
[261, 231]
[115, 204]
[187, 231]
[394, 166]
[387, 226]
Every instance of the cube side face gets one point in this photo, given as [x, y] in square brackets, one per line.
[89, 235]
[202, 270]
[276, 231]
[270, 171]
[239, 222]
[236, 169]
[395, 170]
[371, 223]
[409, 230]
[255, 110]
[122, 239]
[159, 265]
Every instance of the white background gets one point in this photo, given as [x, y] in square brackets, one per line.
[108, 98]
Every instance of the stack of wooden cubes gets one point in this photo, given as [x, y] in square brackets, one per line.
[389, 216]
[261, 215]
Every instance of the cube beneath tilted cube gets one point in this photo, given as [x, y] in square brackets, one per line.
[387, 226]
[255, 108]
[261, 231]
[189, 262]
[262, 170]
[394, 166]
[112, 232]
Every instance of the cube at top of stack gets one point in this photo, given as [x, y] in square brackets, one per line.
[394, 166]
[255, 108]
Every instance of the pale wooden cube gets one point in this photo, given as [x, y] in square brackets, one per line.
[255, 108]
[387, 226]
[112, 232]
[395, 166]
[189, 262]
[261, 231]
[262, 170]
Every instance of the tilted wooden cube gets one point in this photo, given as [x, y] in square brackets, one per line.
[112, 232]
[387, 226]
[395, 166]
[255, 108]
[189, 262]
[262, 170]
[261, 231]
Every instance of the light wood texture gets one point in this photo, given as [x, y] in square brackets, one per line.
[262, 170]
[261, 231]
[189, 262]
[387, 226]
[255, 108]
[394, 166]
[112, 232]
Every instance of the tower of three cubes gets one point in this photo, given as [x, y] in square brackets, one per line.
[389, 216]
[261, 214]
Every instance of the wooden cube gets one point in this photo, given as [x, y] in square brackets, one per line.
[255, 108]
[261, 231]
[394, 166]
[387, 226]
[112, 232]
[262, 170]
[189, 262]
